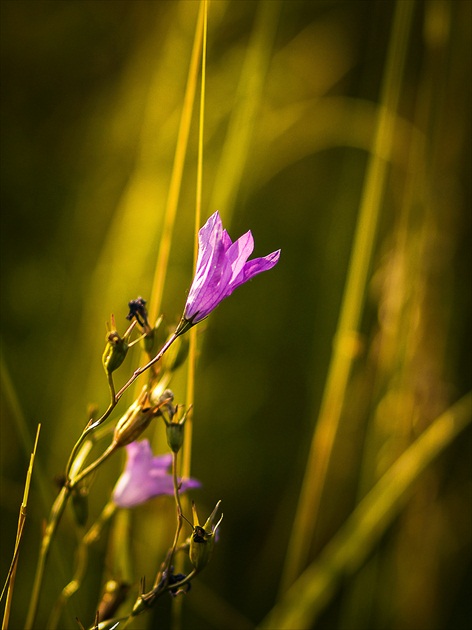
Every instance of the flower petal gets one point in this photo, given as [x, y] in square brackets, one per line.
[254, 267]
[208, 237]
[222, 266]
[237, 256]
[145, 476]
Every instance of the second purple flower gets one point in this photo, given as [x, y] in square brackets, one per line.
[145, 476]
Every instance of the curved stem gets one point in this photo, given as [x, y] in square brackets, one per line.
[62, 498]
[56, 513]
[179, 516]
[115, 397]
[91, 426]
[73, 586]
[105, 455]
[142, 369]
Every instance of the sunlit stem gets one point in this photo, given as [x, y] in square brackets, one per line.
[94, 465]
[178, 511]
[10, 581]
[142, 369]
[93, 425]
[114, 400]
[187, 446]
[55, 517]
[74, 585]
[177, 170]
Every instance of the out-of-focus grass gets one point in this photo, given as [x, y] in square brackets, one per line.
[92, 98]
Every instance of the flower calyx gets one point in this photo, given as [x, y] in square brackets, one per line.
[136, 419]
[175, 428]
[116, 347]
[202, 539]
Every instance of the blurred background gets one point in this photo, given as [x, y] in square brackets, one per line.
[92, 95]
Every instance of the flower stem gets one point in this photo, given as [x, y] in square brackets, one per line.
[54, 519]
[88, 429]
[142, 369]
[178, 510]
[73, 586]
[62, 498]
[84, 473]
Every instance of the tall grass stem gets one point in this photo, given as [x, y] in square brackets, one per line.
[177, 171]
[300, 606]
[325, 430]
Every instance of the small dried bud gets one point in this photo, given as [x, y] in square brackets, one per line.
[135, 420]
[115, 352]
[202, 539]
[175, 432]
[165, 401]
[137, 309]
[116, 348]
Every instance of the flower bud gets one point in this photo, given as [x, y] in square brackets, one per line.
[137, 310]
[175, 431]
[116, 348]
[202, 539]
[175, 435]
[115, 352]
[135, 420]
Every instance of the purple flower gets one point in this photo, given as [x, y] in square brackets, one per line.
[145, 476]
[222, 266]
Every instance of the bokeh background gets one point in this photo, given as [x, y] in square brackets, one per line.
[92, 95]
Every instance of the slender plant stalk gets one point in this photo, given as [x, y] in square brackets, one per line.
[90, 537]
[192, 355]
[311, 592]
[339, 370]
[187, 446]
[228, 178]
[62, 498]
[54, 519]
[93, 425]
[178, 507]
[177, 171]
[10, 581]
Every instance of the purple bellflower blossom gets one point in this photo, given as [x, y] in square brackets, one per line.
[145, 476]
[222, 266]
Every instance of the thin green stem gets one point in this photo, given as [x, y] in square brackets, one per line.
[74, 585]
[62, 498]
[93, 466]
[179, 516]
[142, 369]
[115, 398]
[88, 429]
[10, 581]
[177, 171]
[54, 519]
[91, 426]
